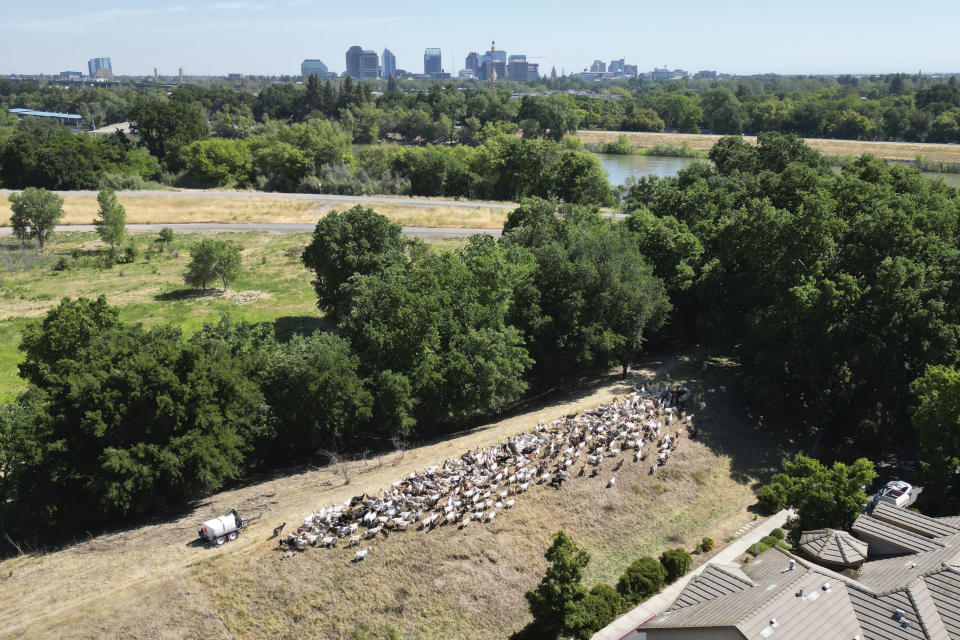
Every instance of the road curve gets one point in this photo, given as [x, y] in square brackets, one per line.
[318, 198]
[427, 233]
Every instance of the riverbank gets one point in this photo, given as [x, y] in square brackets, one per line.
[897, 151]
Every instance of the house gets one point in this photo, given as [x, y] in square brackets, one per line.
[896, 575]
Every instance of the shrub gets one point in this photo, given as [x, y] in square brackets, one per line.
[778, 533]
[772, 498]
[62, 264]
[131, 253]
[676, 562]
[643, 578]
[706, 545]
[594, 611]
[757, 548]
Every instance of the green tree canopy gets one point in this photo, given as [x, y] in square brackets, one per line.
[36, 213]
[560, 587]
[212, 259]
[111, 222]
[936, 419]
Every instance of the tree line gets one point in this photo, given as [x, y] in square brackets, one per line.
[839, 291]
[119, 419]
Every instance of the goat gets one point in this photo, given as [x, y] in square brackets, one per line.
[361, 555]
[278, 530]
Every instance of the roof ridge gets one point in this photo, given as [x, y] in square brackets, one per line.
[774, 596]
[915, 585]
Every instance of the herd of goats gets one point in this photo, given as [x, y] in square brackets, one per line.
[481, 483]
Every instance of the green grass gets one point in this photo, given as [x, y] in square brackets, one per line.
[274, 287]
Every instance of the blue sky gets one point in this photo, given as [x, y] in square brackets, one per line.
[273, 36]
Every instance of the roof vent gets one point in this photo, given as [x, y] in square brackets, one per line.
[913, 565]
[905, 624]
[826, 587]
[800, 593]
[793, 563]
[898, 614]
[774, 623]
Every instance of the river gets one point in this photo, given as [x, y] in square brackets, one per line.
[622, 167]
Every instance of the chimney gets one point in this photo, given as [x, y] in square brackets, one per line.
[793, 563]
[800, 593]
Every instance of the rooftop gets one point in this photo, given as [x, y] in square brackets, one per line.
[914, 594]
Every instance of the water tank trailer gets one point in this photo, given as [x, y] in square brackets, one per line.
[228, 527]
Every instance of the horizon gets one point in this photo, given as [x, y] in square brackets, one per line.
[213, 37]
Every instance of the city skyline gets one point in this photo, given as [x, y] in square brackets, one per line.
[213, 37]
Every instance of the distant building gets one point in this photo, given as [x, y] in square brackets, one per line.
[389, 64]
[70, 75]
[432, 63]
[362, 63]
[517, 68]
[491, 62]
[314, 68]
[667, 74]
[533, 71]
[598, 66]
[95, 64]
[467, 74]
[235, 77]
[616, 66]
[71, 119]
[553, 71]
[706, 73]
[630, 70]
[473, 63]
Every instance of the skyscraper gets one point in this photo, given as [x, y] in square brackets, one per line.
[389, 62]
[95, 64]
[492, 63]
[354, 54]
[431, 62]
[362, 63]
[517, 68]
[473, 63]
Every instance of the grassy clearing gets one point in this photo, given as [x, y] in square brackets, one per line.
[902, 151]
[445, 584]
[274, 287]
[169, 208]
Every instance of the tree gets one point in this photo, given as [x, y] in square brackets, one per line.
[166, 127]
[36, 213]
[643, 579]
[166, 237]
[355, 242]
[936, 420]
[676, 562]
[111, 225]
[593, 612]
[212, 259]
[560, 587]
[823, 497]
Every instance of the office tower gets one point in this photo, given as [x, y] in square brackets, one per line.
[362, 63]
[389, 62]
[431, 62]
[473, 63]
[95, 64]
[354, 55]
[313, 68]
[616, 66]
[517, 68]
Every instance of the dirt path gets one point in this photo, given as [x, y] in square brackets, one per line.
[35, 587]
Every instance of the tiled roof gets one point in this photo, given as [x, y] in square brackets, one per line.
[913, 521]
[870, 527]
[715, 581]
[833, 547]
[944, 588]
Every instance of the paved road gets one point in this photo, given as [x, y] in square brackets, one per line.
[307, 197]
[217, 227]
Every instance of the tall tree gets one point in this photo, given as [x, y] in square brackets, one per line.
[111, 222]
[212, 259]
[936, 419]
[560, 587]
[36, 213]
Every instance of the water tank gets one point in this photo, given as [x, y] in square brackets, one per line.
[213, 529]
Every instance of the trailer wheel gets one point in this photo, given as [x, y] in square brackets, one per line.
[232, 536]
[221, 540]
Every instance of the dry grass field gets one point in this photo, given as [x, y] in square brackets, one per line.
[161, 207]
[839, 148]
[151, 581]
